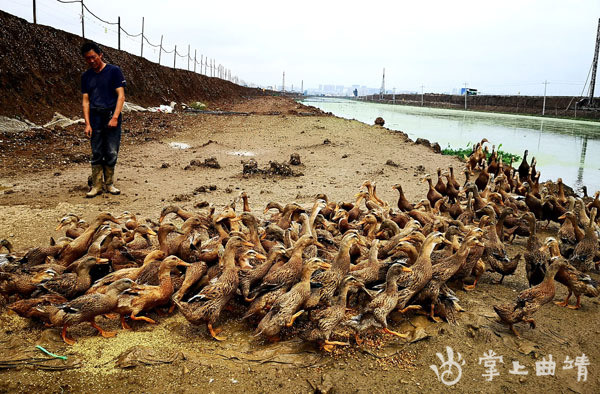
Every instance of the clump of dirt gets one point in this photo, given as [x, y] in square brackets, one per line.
[295, 159]
[211, 162]
[275, 168]
[379, 121]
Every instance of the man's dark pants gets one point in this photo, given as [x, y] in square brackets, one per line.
[105, 141]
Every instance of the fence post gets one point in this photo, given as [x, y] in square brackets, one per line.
[34, 18]
[119, 32]
[174, 56]
[142, 50]
[195, 61]
[188, 57]
[82, 25]
[160, 48]
[201, 59]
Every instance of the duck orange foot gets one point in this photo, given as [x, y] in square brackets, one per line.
[68, 341]
[388, 331]
[124, 324]
[142, 318]
[215, 332]
[328, 345]
[294, 317]
[105, 334]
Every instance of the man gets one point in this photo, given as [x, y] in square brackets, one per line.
[103, 88]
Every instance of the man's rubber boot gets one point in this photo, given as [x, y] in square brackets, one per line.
[109, 174]
[96, 182]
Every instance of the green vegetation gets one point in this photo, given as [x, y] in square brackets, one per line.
[466, 152]
[198, 105]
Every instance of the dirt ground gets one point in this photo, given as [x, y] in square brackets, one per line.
[45, 176]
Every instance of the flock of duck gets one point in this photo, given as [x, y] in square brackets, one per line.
[334, 264]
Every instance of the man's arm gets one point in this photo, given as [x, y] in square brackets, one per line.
[120, 101]
[86, 114]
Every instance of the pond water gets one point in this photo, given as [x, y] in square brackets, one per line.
[568, 149]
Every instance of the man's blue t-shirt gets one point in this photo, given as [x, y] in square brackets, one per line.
[101, 87]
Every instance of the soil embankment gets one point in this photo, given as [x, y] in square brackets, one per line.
[40, 73]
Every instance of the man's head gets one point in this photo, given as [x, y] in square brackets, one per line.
[93, 55]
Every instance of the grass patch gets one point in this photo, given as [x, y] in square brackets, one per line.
[466, 152]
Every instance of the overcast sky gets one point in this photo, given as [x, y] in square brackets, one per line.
[506, 47]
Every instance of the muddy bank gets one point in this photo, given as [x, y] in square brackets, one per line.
[336, 157]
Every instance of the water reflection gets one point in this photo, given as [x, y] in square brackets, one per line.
[560, 146]
[579, 182]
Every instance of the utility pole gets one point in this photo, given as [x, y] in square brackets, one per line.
[382, 90]
[594, 68]
[195, 61]
[119, 35]
[302, 87]
[466, 94]
[34, 17]
[82, 18]
[174, 57]
[160, 48]
[142, 50]
[188, 57]
[544, 105]
[422, 95]
[283, 83]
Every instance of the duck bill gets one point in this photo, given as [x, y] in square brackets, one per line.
[406, 269]
[151, 232]
[160, 219]
[260, 256]
[235, 219]
[562, 217]
[248, 244]
[101, 260]
[60, 225]
[324, 265]
[479, 243]
[543, 248]
[183, 264]
[319, 244]
[444, 240]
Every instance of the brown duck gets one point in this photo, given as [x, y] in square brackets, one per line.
[80, 245]
[206, 306]
[73, 284]
[531, 300]
[577, 282]
[287, 307]
[87, 307]
[145, 297]
[376, 312]
[328, 319]
[586, 249]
